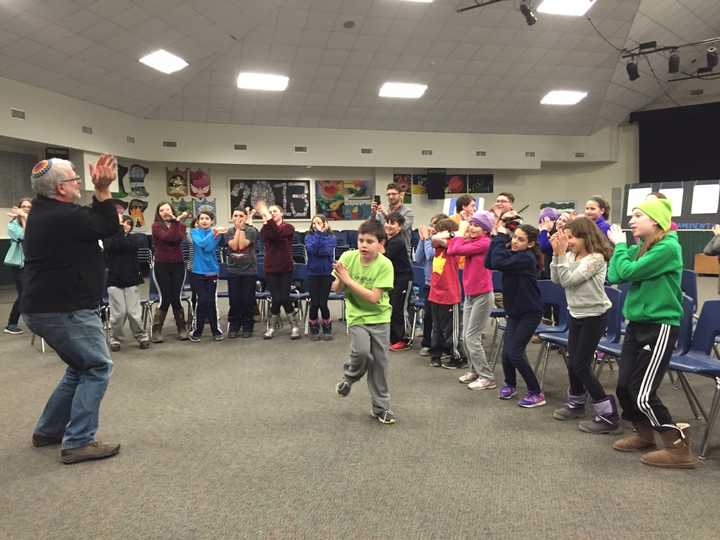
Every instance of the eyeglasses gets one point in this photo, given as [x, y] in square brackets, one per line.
[73, 179]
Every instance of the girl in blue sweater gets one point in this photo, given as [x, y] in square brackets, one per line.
[519, 259]
[320, 246]
[205, 268]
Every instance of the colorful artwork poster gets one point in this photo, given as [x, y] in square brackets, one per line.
[480, 183]
[177, 182]
[293, 196]
[343, 199]
[418, 184]
[404, 182]
[199, 184]
[136, 209]
[121, 193]
[456, 183]
[183, 205]
[205, 205]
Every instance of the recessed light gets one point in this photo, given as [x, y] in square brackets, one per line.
[402, 90]
[563, 97]
[573, 8]
[262, 81]
[164, 61]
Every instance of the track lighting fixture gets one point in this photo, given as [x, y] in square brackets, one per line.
[632, 69]
[674, 62]
[528, 12]
[712, 58]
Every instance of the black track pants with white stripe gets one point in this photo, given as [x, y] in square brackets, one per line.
[646, 353]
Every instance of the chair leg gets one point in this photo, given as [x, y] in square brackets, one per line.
[545, 364]
[692, 398]
[541, 365]
[712, 419]
[673, 381]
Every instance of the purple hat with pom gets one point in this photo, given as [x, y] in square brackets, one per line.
[549, 213]
[484, 219]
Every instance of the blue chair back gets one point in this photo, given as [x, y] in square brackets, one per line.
[261, 268]
[686, 327]
[615, 315]
[352, 239]
[299, 238]
[497, 281]
[418, 276]
[300, 272]
[339, 250]
[688, 284]
[707, 328]
[554, 295]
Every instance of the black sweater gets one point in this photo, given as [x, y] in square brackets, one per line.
[122, 263]
[521, 293]
[64, 266]
[396, 250]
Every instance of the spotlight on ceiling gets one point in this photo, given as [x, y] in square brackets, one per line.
[674, 62]
[528, 12]
[632, 70]
[712, 57]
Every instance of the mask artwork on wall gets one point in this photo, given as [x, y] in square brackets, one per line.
[199, 184]
[205, 204]
[121, 192]
[137, 208]
[177, 182]
[137, 180]
[120, 206]
[183, 205]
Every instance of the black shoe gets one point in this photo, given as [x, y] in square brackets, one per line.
[435, 362]
[454, 363]
[246, 334]
[232, 333]
[144, 343]
[343, 388]
[219, 336]
[385, 417]
[194, 338]
[314, 331]
[327, 331]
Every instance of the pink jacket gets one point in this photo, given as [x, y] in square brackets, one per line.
[476, 278]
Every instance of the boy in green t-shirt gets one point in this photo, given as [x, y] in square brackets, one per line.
[366, 276]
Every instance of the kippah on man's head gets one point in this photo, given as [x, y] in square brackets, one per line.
[41, 167]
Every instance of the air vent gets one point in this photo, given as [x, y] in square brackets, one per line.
[170, 144]
[481, 153]
[366, 150]
[87, 130]
[529, 154]
[130, 139]
[426, 152]
[579, 154]
[301, 148]
[240, 146]
[17, 113]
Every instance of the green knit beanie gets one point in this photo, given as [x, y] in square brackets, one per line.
[659, 210]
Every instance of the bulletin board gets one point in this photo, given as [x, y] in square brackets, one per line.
[695, 203]
[293, 196]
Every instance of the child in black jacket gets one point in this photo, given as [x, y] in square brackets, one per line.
[123, 278]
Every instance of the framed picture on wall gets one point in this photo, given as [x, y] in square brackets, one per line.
[293, 196]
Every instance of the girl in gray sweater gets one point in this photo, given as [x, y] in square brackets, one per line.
[579, 264]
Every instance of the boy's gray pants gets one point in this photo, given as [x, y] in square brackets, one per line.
[125, 304]
[476, 314]
[368, 354]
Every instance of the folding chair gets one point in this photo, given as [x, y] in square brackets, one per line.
[496, 314]
[551, 294]
[698, 360]
[417, 303]
[688, 284]
[299, 293]
[299, 254]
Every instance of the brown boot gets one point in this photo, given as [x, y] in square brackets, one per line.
[157, 324]
[677, 453]
[94, 450]
[180, 323]
[644, 439]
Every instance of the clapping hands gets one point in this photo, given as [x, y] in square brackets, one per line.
[616, 235]
[559, 243]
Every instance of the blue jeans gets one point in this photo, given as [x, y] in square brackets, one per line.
[78, 338]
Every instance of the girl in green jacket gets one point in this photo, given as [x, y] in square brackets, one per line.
[653, 307]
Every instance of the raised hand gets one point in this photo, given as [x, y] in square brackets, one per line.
[423, 232]
[546, 224]
[716, 230]
[182, 216]
[616, 234]
[103, 172]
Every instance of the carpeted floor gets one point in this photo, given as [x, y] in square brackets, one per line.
[247, 439]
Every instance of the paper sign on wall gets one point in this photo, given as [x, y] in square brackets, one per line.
[705, 199]
[636, 196]
[675, 196]
[91, 158]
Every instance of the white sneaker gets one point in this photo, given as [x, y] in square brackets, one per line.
[469, 377]
[425, 351]
[482, 384]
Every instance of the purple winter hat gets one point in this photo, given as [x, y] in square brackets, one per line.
[548, 212]
[484, 219]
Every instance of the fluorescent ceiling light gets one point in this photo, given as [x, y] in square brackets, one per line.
[563, 97]
[402, 90]
[164, 61]
[262, 81]
[420, 1]
[574, 8]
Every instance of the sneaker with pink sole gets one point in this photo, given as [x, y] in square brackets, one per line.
[482, 384]
[469, 377]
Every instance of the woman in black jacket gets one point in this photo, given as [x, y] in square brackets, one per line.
[123, 278]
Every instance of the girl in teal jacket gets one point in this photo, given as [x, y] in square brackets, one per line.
[15, 258]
